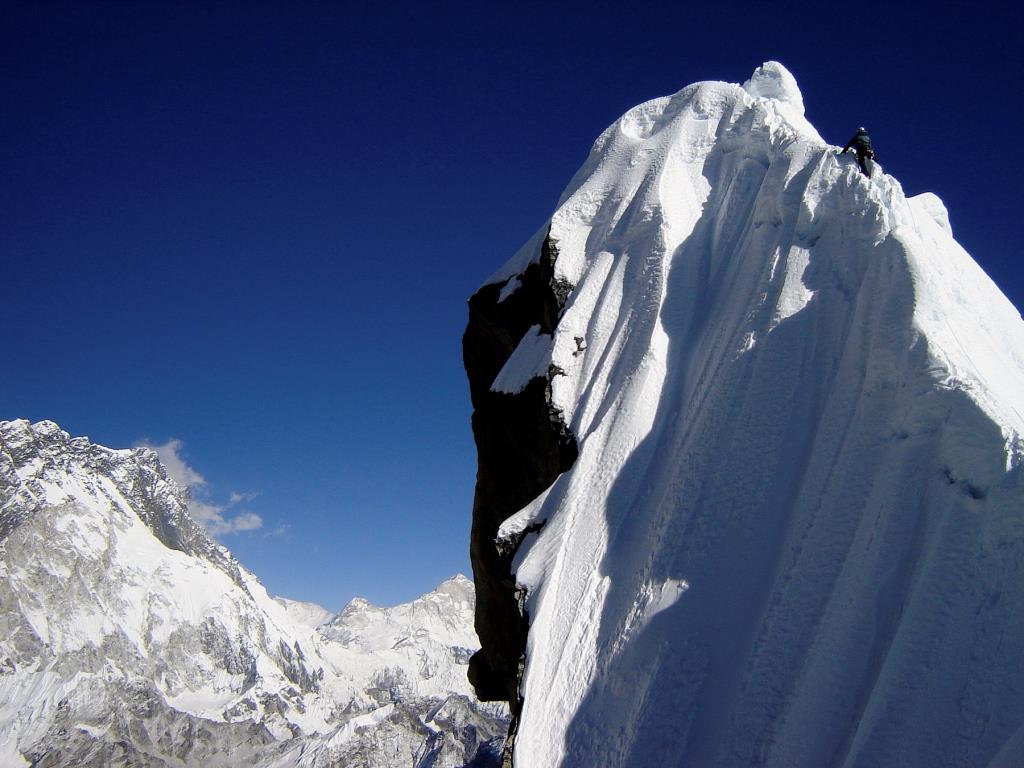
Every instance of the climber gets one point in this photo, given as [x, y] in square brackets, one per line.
[861, 144]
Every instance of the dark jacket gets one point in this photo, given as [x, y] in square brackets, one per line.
[861, 144]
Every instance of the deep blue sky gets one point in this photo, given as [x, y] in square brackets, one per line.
[253, 228]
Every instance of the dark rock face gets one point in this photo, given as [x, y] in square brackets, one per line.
[522, 447]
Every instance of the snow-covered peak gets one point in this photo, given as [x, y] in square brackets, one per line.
[458, 587]
[773, 81]
[775, 84]
[442, 617]
[655, 163]
[796, 504]
[42, 467]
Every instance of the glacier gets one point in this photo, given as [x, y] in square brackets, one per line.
[129, 637]
[750, 442]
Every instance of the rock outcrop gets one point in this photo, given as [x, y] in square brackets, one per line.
[523, 445]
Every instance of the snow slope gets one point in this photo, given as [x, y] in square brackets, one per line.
[794, 534]
[129, 637]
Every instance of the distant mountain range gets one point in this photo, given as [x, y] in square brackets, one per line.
[129, 637]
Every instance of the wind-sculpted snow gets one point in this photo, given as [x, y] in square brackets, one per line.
[794, 533]
[129, 637]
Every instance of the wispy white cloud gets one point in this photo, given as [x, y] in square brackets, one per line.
[213, 519]
[246, 521]
[279, 531]
[204, 511]
[180, 472]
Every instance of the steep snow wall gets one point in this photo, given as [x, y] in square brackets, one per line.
[794, 531]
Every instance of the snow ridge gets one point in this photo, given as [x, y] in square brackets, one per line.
[793, 535]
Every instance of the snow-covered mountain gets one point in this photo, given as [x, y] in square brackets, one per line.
[129, 637]
[750, 446]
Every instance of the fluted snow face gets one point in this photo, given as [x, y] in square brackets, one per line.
[792, 536]
[127, 633]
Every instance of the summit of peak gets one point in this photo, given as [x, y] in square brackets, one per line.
[457, 586]
[458, 580]
[39, 429]
[771, 80]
